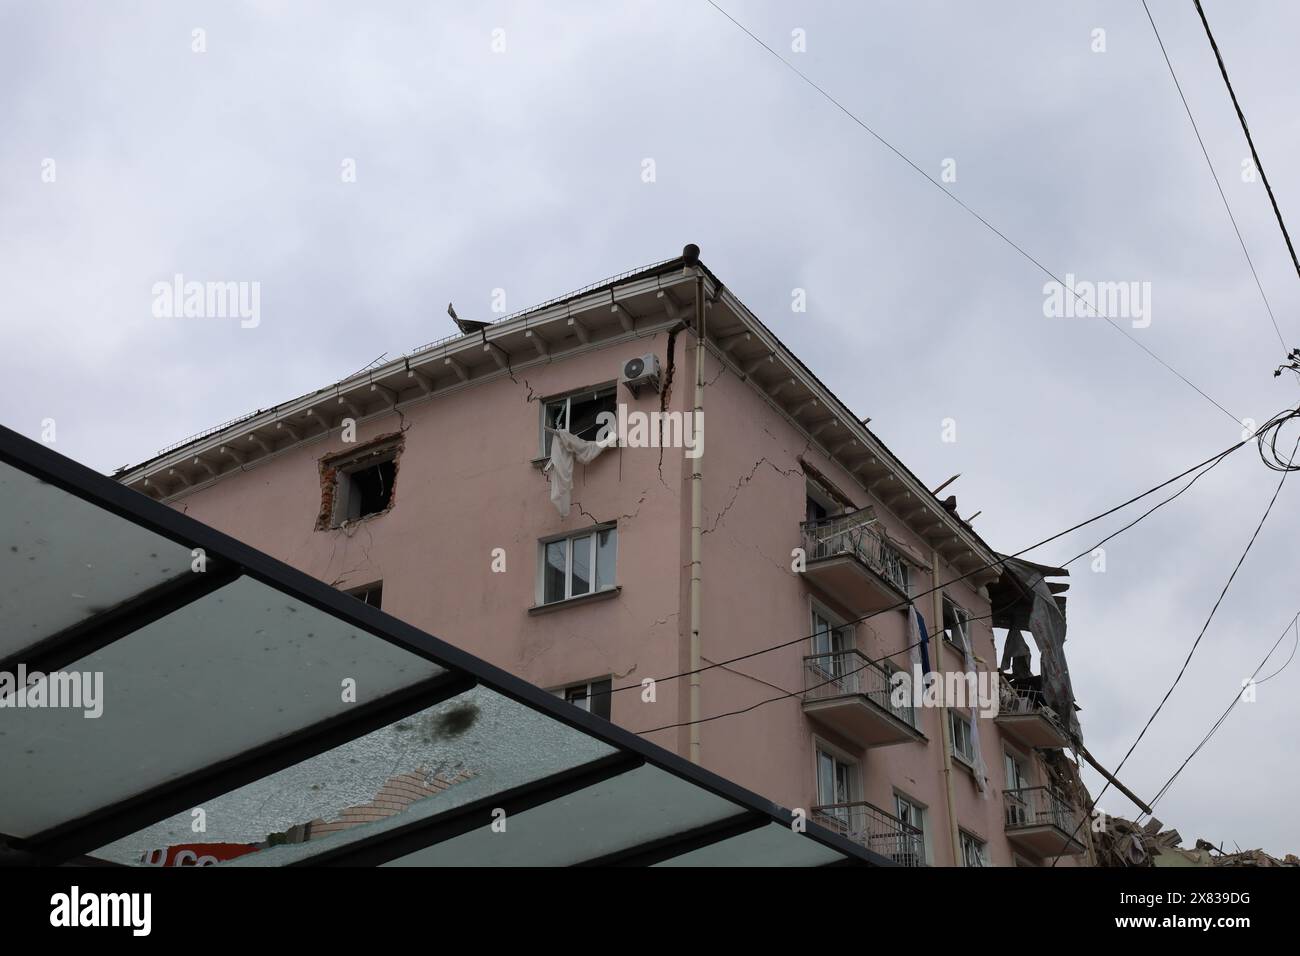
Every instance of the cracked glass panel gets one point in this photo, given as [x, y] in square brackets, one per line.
[64, 559]
[239, 667]
[474, 745]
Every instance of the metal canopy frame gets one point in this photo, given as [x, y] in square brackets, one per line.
[229, 560]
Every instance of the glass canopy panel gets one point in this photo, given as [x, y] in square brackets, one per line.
[238, 668]
[472, 746]
[772, 845]
[63, 559]
[621, 813]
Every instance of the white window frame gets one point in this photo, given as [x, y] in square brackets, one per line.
[966, 756]
[921, 812]
[593, 533]
[1017, 808]
[963, 618]
[846, 633]
[973, 845]
[840, 756]
[566, 398]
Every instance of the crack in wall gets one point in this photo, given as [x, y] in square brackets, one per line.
[745, 480]
[666, 392]
[645, 492]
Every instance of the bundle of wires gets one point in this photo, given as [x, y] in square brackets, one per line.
[1267, 435]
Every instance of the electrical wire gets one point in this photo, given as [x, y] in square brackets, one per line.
[1241, 117]
[1236, 699]
[1222, 195]
[992, 228]
[1195, 644]
[1268, 433]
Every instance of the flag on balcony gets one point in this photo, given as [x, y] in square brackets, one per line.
[919, 638]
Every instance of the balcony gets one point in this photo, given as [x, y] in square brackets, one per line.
[850, 694]
[851, 561]
[1024, 715]
[869, 826]
[1041, 822]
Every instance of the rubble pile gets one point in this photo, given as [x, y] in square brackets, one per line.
[1124, 843]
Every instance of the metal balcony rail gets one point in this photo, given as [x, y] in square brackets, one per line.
[1015, 700]
[1039, 806]
[854, 534]
[869, 826]
[839, 673]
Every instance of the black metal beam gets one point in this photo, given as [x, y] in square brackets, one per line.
[78, 837]
[666, 848]
[420, 834]
[76, 479]
[99, 630]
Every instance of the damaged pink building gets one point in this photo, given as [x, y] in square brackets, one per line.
[781, 554]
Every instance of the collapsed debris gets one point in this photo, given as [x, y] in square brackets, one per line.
[1124, 843]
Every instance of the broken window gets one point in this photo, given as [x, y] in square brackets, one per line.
[580, 564]
[912, 849]
[592, 696]
[358, 484]
[577, 413]
[956, 623]
[974, 852]
[371, 594]
[820, 504]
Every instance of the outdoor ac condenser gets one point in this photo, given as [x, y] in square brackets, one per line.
[641, 371]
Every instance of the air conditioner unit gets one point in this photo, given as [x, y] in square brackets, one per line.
[641, 371]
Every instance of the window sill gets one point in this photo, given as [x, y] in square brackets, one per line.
[966, 764]
[543, 460]
[574, 601]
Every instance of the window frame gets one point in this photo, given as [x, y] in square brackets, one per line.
[590, 689]
[363, 593]
[841, 758]
[967, 757]
[970, 841]
[569, 538]
[337, 471]
[603, 389]
[921, 813]
[962, 617]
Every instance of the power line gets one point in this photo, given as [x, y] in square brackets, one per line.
[1241, 117]
[1195, 644]
[1212, 463]
[1236, 699]
[992, 228]
[1222, 194]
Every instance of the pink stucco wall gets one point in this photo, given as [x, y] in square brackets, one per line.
[467, 484]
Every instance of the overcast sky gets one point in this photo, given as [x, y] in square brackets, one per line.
[522, 170]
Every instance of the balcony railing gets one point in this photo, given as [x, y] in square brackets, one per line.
[844, 673]
[1024, 714]
[854, 534]
[869, 826]
[1018, 701]
[1040, 806]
